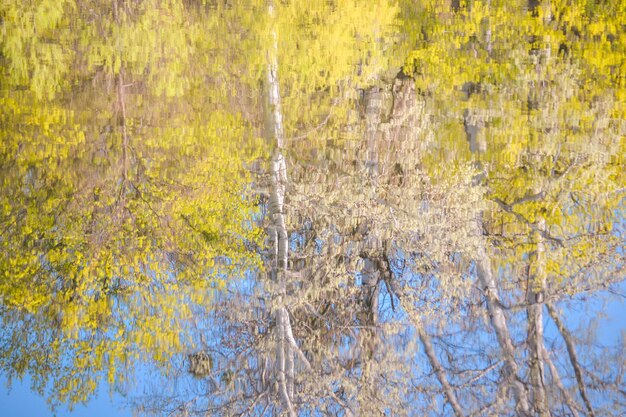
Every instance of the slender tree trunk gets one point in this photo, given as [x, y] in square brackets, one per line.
[534, 339]
[500, 326]
[374, 107]
[278, 230]
[535, 292]
[277, 271]
[284, 355]
[487, 281]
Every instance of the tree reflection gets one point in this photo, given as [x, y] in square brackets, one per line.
[413, 225]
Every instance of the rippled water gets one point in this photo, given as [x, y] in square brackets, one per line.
[348, 208]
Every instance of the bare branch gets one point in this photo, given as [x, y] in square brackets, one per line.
[440, 372]
[557, 380]
[573, 357]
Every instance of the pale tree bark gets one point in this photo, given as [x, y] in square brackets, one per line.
[535, 339]
[474, 125]
[278, 231]
[375, 105]
[369, 248]
[283, 352]
[379, 106]
[499, 323]
[571, 404]
[535, 291]
[487, 281]
[277, 271]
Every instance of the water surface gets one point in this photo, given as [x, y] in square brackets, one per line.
[349, 208]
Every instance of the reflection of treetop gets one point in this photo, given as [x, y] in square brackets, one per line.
[122, 201]
[394, 252]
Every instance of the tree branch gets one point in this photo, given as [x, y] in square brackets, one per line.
[573, 357]
[544, 233]
[557, 380]
[440, 372]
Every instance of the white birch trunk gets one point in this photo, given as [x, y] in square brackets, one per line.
[286, 347]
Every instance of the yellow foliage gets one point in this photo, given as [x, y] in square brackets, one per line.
[124, 197]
